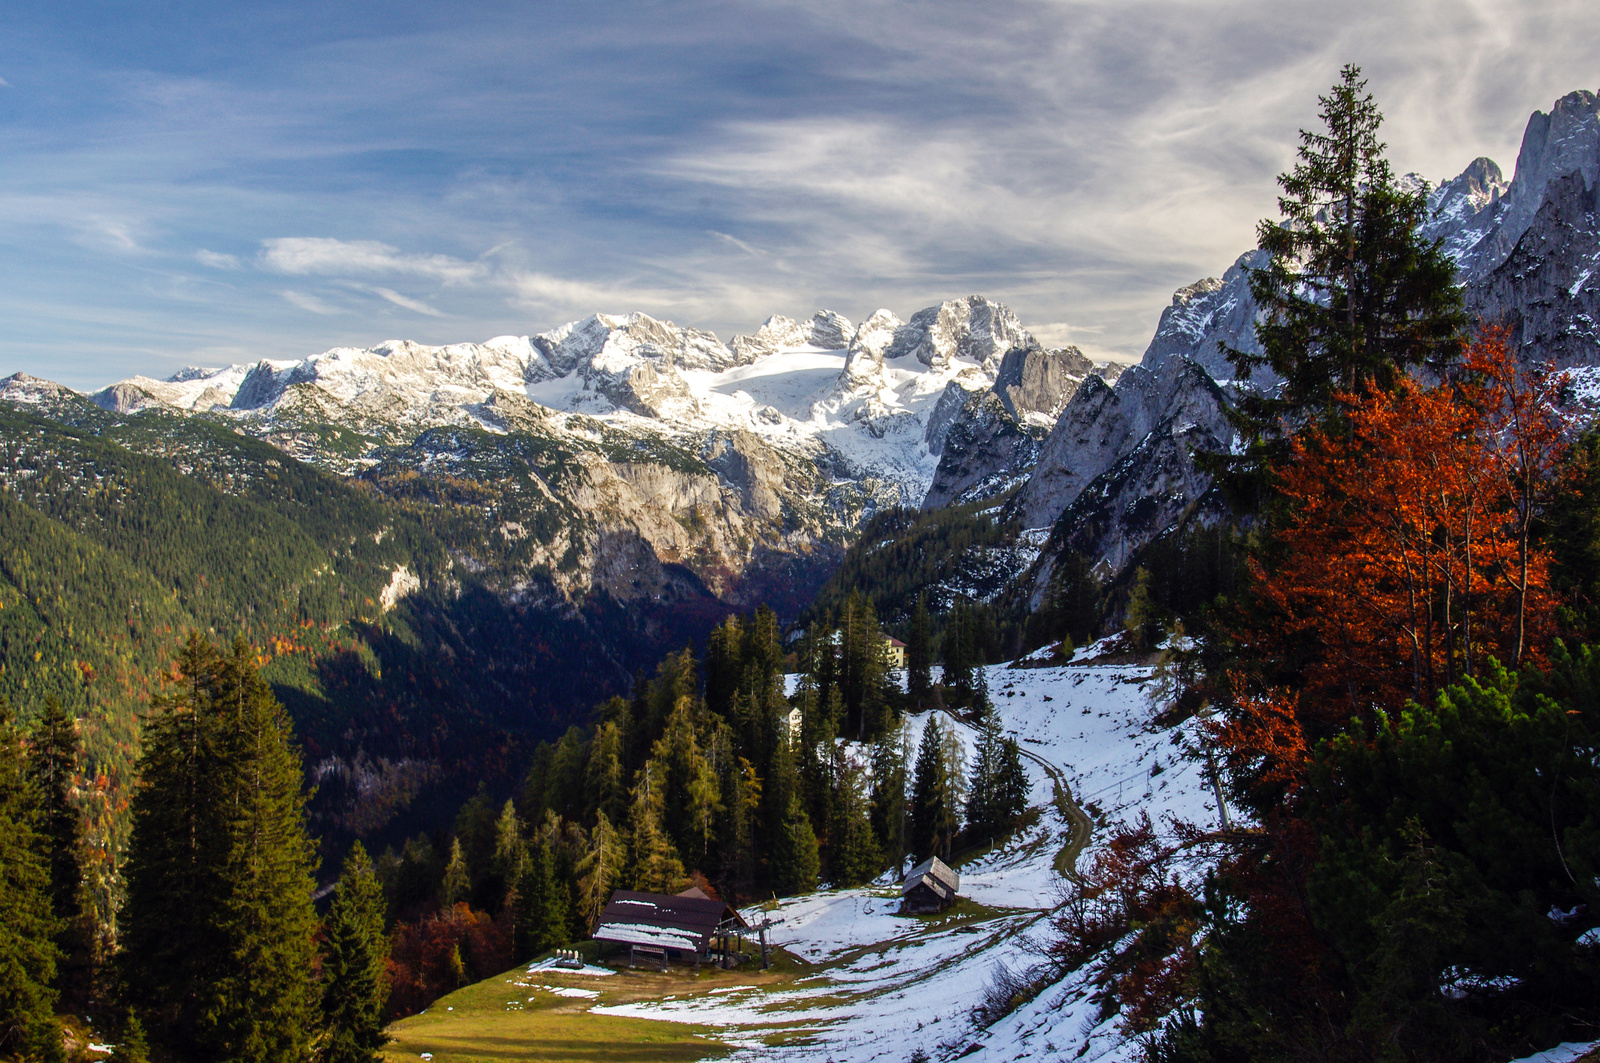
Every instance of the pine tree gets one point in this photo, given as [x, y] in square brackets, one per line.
[27, 952]
[605, 782]
[934, 801]
[889, 796]
[218, 927]
[1351, 293]
[856, 857]
[1013, 786]
[355, 952]
[919, 654]
[132, 1046]
[52, 766]
[795, 860]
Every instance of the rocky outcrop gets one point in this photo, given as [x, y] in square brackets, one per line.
[1207, 318]
[1102, 426]
[986, 452]
[1035, 384]
[1547, 291]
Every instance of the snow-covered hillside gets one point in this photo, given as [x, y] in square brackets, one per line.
[887, 985]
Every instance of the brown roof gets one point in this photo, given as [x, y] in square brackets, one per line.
[936, 875]
[682, 922]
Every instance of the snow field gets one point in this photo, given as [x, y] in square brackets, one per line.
[886, 985]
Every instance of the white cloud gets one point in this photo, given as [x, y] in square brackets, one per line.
[216, 260]
[4, 84]
[308, 302]
[410, 304]
[327, 256]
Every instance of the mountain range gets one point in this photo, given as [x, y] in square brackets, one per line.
[486, 538]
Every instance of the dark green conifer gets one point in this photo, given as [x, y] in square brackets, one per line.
[889, 796]
[354, 954]
[52, 766]
[218, 928]
[919, 654]
[935, 812]
[28, 1027]
[795, 861]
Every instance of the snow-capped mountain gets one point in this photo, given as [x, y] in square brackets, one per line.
[658, 447]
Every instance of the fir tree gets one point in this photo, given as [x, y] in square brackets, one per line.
[935, 814]
[218, 927]
[794, 852]
[265, 1003]
[1351, 292]
[889, 796]
[542, 897]
[355, 952]
[605, 782]
[856, 856]
[919, 654]
[28, 1028]
[132, 1046]
[52, 766]
[510, 852]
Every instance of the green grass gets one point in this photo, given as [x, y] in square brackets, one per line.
[497, 1020]
[494, 1020]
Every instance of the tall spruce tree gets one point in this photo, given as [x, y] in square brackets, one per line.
[218, 930]
[935, 802]
[795, 860]
[1351, 293]
[355, 951]
[919, 654]
[28, 1027]
[889, 758]
[52, 767]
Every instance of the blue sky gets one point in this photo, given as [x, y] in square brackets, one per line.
[202, 183]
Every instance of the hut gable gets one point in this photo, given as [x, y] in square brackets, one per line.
[931, 887]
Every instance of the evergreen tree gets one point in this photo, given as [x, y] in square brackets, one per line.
[795, 860]
[52, 766]
[27, 950]
[605, 782]
[935, 814]
[919, 654]
[957, 660]
[856, 856]
[218, 927]
[889, 796]
[542, 921]
[1013, 785]
[132, 1046]
[510, 851]
[265, 1001]
[1351, 293]
[355, 952]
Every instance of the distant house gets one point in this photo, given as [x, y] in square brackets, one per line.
[931, 887]
[794, 721]
[661, 927]
[894, 653]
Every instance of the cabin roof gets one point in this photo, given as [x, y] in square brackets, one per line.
[682, 922]
[936, 874]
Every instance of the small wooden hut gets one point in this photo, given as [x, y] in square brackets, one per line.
[931, 887]
[661, 927]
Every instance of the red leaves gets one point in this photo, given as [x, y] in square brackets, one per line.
[1406, 559]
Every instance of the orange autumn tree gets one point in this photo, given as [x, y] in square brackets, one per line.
[1407, 558]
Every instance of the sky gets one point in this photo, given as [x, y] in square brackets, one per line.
[194, 183]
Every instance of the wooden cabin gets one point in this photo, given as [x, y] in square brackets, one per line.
[931, 887]
[660, 927]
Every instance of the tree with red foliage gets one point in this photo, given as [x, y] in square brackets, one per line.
[441, 953]
[1407, 558]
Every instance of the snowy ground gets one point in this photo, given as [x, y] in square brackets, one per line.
[886, 985]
